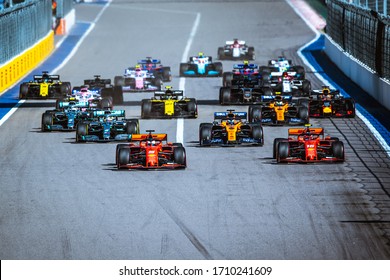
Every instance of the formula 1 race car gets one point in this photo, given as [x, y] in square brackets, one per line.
[44, 86]
[169, 104]
[156, 69]
[288, 84]
[230, 129]
[65, 117]
[150, 151]
[103, 88]
[136, 79]
[236, 49]
[248, 93]
[94, 99]
[201, 66]
[107, 126]
[276, 67]
[330, 103]
[280, 110]
[305, 145]
[246, 70]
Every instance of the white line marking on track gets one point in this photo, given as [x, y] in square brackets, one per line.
[182, 82]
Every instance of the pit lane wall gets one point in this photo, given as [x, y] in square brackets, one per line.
[27, 37]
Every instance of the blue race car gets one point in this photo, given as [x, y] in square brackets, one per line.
[154, 67]
[109, 125]
[201, 66]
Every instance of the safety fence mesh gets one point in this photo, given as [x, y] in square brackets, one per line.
[362, 32]
[25, 23]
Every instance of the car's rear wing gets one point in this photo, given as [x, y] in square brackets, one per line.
[232, 42]
[50, 77]
[72, 104]
[268, 98]
[192, 58]
[174, 93]
[97, 82]
[146, 61]
[280, 73]
[225, 115]
[299, 131]
[155, 136]
[242, 66]
[109, 113]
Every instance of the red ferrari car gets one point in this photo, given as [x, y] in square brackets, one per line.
[150, 151]
[308, 145]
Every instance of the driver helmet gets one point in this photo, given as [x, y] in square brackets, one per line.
[230, 122]
[278, 101]
[200, 54]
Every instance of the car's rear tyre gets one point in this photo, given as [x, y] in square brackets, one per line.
[338, 150]
[47, 120]
[23, 91]
[81, 130]
[105, 103]
[251, 53]
[179, 156]
[146, 109]
[123, 156]
[254, 113]
[275, 146]
[306, 87]
[66, 88]
[350, 106]
[119, 81]
[303, 114]
[221, 53]
[167, 75]
[225, 95]
[283, 150]
[131, 128]
[118, 147]
[183, 69]
[204, 133]
[192, 107]
[257, 133]
[219, 68]
[227, 78]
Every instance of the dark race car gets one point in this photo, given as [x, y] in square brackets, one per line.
[330, 103]
[101, 89]
[44, 86]
[236, 49]
[169, 104]
[150, 151]
[65, 117]
[106, 126]
[280, 110]
[201, 66]
[154, 67]
[230, 129]
[305, 145]
[243, 71]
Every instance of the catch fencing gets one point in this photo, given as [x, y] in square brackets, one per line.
[362, 29]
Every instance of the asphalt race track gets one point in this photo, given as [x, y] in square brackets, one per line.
[62, 200]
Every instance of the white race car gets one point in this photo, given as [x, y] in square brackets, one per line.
[236, 49]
